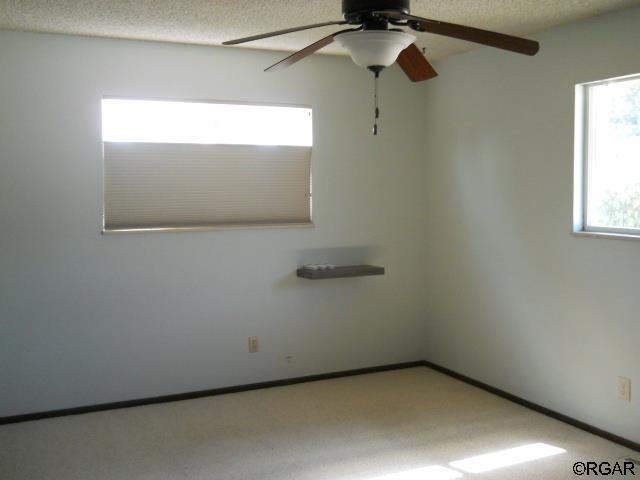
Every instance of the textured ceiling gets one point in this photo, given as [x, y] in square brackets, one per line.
[209, 22]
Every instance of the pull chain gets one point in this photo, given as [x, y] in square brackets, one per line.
[376, 110]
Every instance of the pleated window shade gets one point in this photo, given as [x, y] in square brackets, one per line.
[171, 185]
[149, 184]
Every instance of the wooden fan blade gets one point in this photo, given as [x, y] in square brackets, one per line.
[475, 35]
[300, 54]
[306, 51]
[417, 68]
[281, 32]
[470, 34]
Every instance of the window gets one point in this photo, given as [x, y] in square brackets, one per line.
[607, 164]
[186, 165]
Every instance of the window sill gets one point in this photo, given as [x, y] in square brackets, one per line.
[612, 235]
[208, 228]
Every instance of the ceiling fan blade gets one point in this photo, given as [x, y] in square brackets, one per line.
[470, 34]
[417, 68]
[306, 51]
[281, 32]
[475, 35]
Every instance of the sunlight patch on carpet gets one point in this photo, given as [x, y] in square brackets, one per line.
[506, 458]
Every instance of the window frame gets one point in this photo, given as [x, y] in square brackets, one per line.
[214, 227]
[581, 165]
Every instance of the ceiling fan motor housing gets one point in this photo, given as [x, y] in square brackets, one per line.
[355, 11]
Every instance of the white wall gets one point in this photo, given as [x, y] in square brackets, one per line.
[515, 300]
[87, 318]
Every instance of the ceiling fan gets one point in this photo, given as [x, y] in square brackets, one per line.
[376, 42]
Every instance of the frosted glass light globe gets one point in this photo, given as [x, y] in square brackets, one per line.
[375, 48]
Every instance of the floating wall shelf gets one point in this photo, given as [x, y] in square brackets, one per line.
[340, 272]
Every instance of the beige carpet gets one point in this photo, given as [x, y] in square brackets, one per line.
[357, 428]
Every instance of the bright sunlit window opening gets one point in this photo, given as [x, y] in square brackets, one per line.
[154, 121]
[607, 164]
[506, 458]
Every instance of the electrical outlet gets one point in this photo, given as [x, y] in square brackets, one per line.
[624, 389]
[253, 344]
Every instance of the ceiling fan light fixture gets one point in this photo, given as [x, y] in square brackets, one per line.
[375, 48]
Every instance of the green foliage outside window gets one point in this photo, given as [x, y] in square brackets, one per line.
[622, 208]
